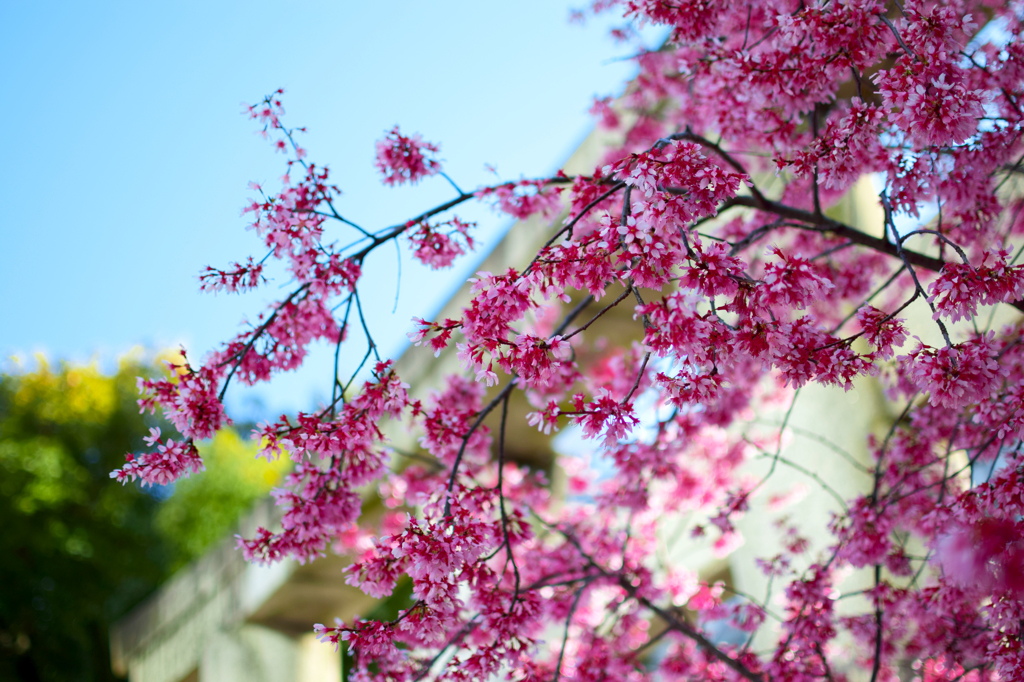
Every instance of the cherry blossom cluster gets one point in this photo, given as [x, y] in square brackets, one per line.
[437, 246]
[322, 502]
[402, 159]
[960, 289]
[189, 398]
[171, 461]
[524, 198]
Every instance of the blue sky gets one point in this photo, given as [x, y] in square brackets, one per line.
[126, 159]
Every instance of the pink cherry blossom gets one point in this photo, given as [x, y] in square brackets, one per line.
[670, 312]
[437, 246]
[402, 159]
[171, 461]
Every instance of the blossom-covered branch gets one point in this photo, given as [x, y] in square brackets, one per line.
[799, 189]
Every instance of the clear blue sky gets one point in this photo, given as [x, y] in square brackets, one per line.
[126, 159]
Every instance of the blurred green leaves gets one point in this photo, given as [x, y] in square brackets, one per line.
[78, 549]
[204, 508]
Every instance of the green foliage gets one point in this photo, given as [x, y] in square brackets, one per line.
[79, 550]
[204, 508]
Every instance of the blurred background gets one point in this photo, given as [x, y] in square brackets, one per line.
[79, 549]
[124, 169]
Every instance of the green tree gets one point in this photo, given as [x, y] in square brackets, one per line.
[79, 550]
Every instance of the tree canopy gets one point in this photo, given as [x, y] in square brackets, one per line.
[721, 224]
